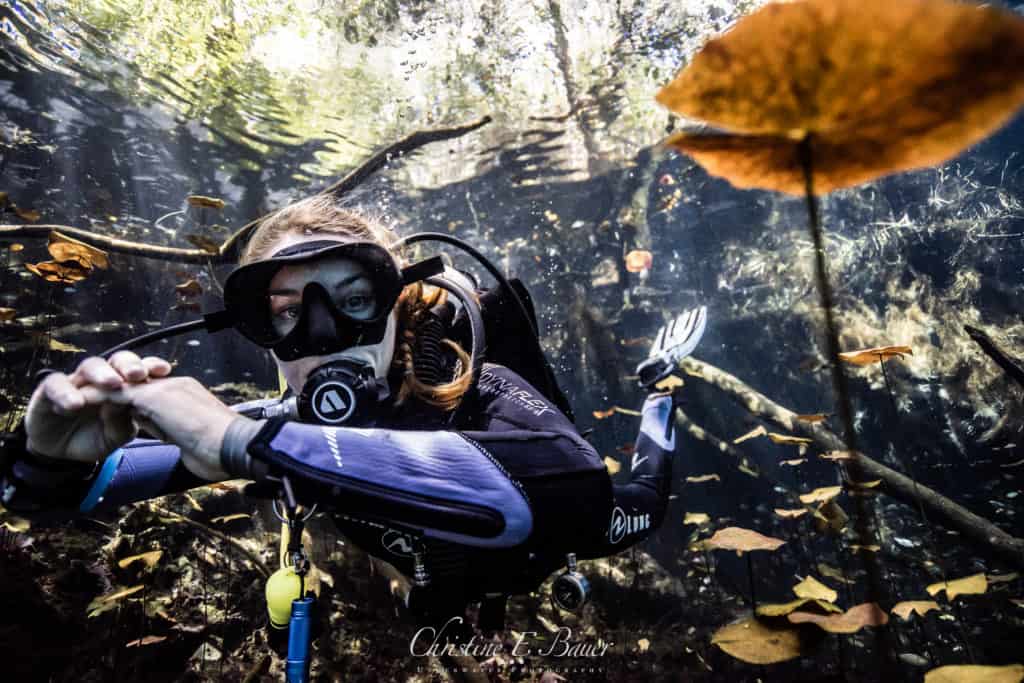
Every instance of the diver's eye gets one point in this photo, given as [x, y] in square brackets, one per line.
[358, 303]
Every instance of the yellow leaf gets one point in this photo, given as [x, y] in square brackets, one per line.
[794, 462]
[866, 548]
[975, 584]
[874, 355]
[741, 540]
[811, 588]
[223, 519]
[696, 518]
[835, 455]
[834, 574]
[921, 607]
[703, 478]
[669, 383]
[56, 345]
[148, 640]
[603, 414]
[204, 202]
[7, 314]
[759, 431]
[791, 514]
[782, 609]
[821, 495]
[638, 260]
[64, 248]
[789, 440]
[829, 516]
[612, 464]
[973, 673]
[756, 643]
[103, 603]
[851, 621]
[866, 484]
[745, 469]
[193, 502]
[643, 644]
[149, 559]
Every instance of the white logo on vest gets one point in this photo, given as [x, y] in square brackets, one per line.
[623, 524]
[397, 543]
[333, 402]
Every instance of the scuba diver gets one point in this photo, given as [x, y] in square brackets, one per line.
[419, 411]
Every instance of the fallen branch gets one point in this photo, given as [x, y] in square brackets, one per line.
[940, 508]
[250, 555]
[1002, 359]
[229, 249]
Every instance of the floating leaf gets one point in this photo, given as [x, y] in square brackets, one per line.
[759, 431]
[794, 462]
[16, 247]
[612, 464]
[13, 522]
[834, 574]
[850, 621]
[149, 559]
[189, 288]
[696, 518]
[199, 200]
[103, 603]
[866, 484]
[603, 414]
[821, 495]
[741, 540]
[638, 260]
[670, 383]
[811, 588]
[148, 640]
[204, 243]
[826, 71]
[30, 215]
[7, 314]
[57, 345]
[703, 478]
[975, 584]
[836, 455]
[756, 643]
[813, 418]
[789, 440]
[921, 607]
[748, 470]
[65, 272]
[643, 644]
[830, 517]
[1002, 578]
[874, 355]
[782, 609]
[865, 548]
[64, 248]
[224, 519]
[791, 514]
[975, 673]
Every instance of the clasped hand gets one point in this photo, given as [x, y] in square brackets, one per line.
[101, 406]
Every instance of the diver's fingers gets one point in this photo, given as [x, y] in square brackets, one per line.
[95, 370]
[62, 394]
[129, 365]
[156, 366]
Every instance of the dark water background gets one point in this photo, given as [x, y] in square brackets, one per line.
[112, 111]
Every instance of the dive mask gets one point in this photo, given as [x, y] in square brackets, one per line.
[322, 322]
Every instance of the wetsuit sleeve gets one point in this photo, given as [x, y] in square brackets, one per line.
[441, 482]
[639, 506]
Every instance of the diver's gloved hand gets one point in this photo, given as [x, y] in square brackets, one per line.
[72, 417]
[675, 341]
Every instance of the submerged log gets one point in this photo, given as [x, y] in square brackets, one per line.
[940, 509]
[1002, 359]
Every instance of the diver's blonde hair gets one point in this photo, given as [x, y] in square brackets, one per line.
[323, 214]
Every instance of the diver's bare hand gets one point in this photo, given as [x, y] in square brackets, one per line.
[73, 417]
[180, 410]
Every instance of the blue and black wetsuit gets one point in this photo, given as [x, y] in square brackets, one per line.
[496, 502]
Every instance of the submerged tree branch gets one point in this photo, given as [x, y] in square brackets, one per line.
[940, 508]
[229, 250]
[1002, 359]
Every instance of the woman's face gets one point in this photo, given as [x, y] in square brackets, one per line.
[350, 288]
